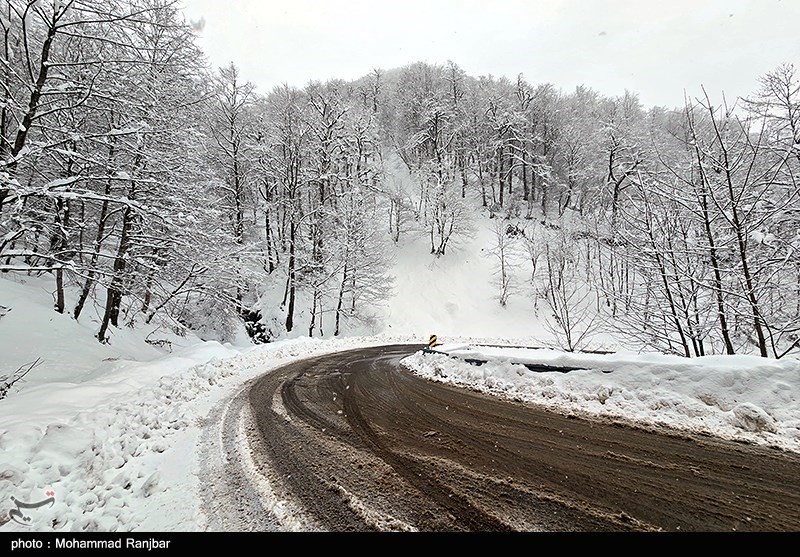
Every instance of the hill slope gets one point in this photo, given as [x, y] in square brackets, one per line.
[457, 294]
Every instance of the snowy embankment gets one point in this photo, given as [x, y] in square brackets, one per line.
[106, 436]
[118, 452]
[743, 398]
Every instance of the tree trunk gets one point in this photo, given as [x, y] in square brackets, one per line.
[33, 105]
[341, 298]
[4, 109]
[500, 173]
[271, 263]
[98, 242]
[312, 324]
[525, 186]
[58, 246]
[463, 176]
[510, 170]
[114, 291]
[712, 252]
[59, 290]
[290, 281]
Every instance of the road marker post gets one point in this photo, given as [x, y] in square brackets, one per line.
[432, 341]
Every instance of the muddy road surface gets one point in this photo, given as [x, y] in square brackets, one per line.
[354, 442]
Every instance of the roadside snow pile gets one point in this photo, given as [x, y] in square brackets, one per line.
[743, 398]
[91, 444]
[117, 450]
[752, 418]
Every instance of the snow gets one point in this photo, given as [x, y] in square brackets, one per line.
[457, 294]
[60, 183]
[743, 398]
[114, 429]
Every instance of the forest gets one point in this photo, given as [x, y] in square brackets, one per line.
[158, 187]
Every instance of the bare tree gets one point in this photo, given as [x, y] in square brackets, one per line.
[504, 252]
[568, 294]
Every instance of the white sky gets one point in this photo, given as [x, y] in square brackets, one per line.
[655, 48]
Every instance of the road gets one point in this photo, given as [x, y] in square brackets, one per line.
[359, 443]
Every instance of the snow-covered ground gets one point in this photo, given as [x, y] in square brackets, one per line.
[118, 451]
[457, 294]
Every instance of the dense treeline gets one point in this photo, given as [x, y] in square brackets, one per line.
[132, 171]
[140, 178]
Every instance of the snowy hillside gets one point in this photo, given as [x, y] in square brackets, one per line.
[68, 350]
[457, 293]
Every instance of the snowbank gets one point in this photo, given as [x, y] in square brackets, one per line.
[117, 449]
[744, 398]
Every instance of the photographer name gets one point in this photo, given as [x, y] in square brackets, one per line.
[148, 544]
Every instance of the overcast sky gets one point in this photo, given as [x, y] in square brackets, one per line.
[655, 48]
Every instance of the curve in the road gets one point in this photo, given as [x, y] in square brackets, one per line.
[364, 444]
